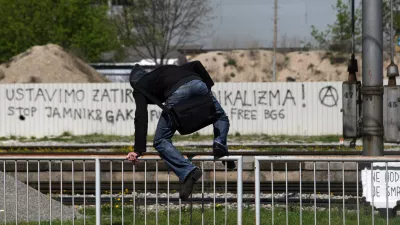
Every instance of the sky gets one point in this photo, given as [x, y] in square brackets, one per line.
[239, 23]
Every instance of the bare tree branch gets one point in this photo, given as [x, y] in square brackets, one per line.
[161, 26]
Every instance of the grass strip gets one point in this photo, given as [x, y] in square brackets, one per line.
[248, 218]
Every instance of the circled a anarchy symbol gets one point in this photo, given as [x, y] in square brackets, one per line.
[328, 96]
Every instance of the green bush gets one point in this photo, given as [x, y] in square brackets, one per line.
[231, 62]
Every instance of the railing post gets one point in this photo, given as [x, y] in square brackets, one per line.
[257, 189]
[98, 192]
[240, 190]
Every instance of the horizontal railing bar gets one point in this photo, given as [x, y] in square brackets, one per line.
[105, 146]
[330, 159]
[210, 153]
[107, 157]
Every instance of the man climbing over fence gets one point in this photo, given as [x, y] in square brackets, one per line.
[189, 106]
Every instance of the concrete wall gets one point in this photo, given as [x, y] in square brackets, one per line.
[311, 108]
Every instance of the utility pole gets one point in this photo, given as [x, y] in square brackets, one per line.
[275, 39]
[372, 77]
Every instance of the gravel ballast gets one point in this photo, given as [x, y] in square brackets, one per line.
[34, 205]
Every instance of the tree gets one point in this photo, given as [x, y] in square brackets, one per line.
[386, 21]
[340, 31]
[320, 36]
[77, 25]
[339, 34]
[155, 28]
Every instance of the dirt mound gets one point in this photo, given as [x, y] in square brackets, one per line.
[239, 65]
[256, 66]
[316, 66]
[48, 64]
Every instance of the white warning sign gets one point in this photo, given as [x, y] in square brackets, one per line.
[379, 183]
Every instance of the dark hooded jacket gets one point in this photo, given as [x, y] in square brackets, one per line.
[160, 83]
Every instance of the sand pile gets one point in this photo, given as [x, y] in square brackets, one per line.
[48, 64]
[239, 65]
[316, 66]
[256, 65]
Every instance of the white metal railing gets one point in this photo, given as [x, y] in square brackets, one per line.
[151, 198]
[66, 171]
[380, 177]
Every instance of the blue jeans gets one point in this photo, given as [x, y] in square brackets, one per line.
[165, 131]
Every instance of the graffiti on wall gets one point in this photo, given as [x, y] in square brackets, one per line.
[62, 103]
[113, 104]
[243, 103]
[328, 96]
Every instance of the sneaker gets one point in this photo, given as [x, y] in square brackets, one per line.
[220, 151]
[188, 184]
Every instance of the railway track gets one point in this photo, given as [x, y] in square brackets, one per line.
[195, 149]
[189, 146]
[248, 189]
[106, 146]
[90, 201]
